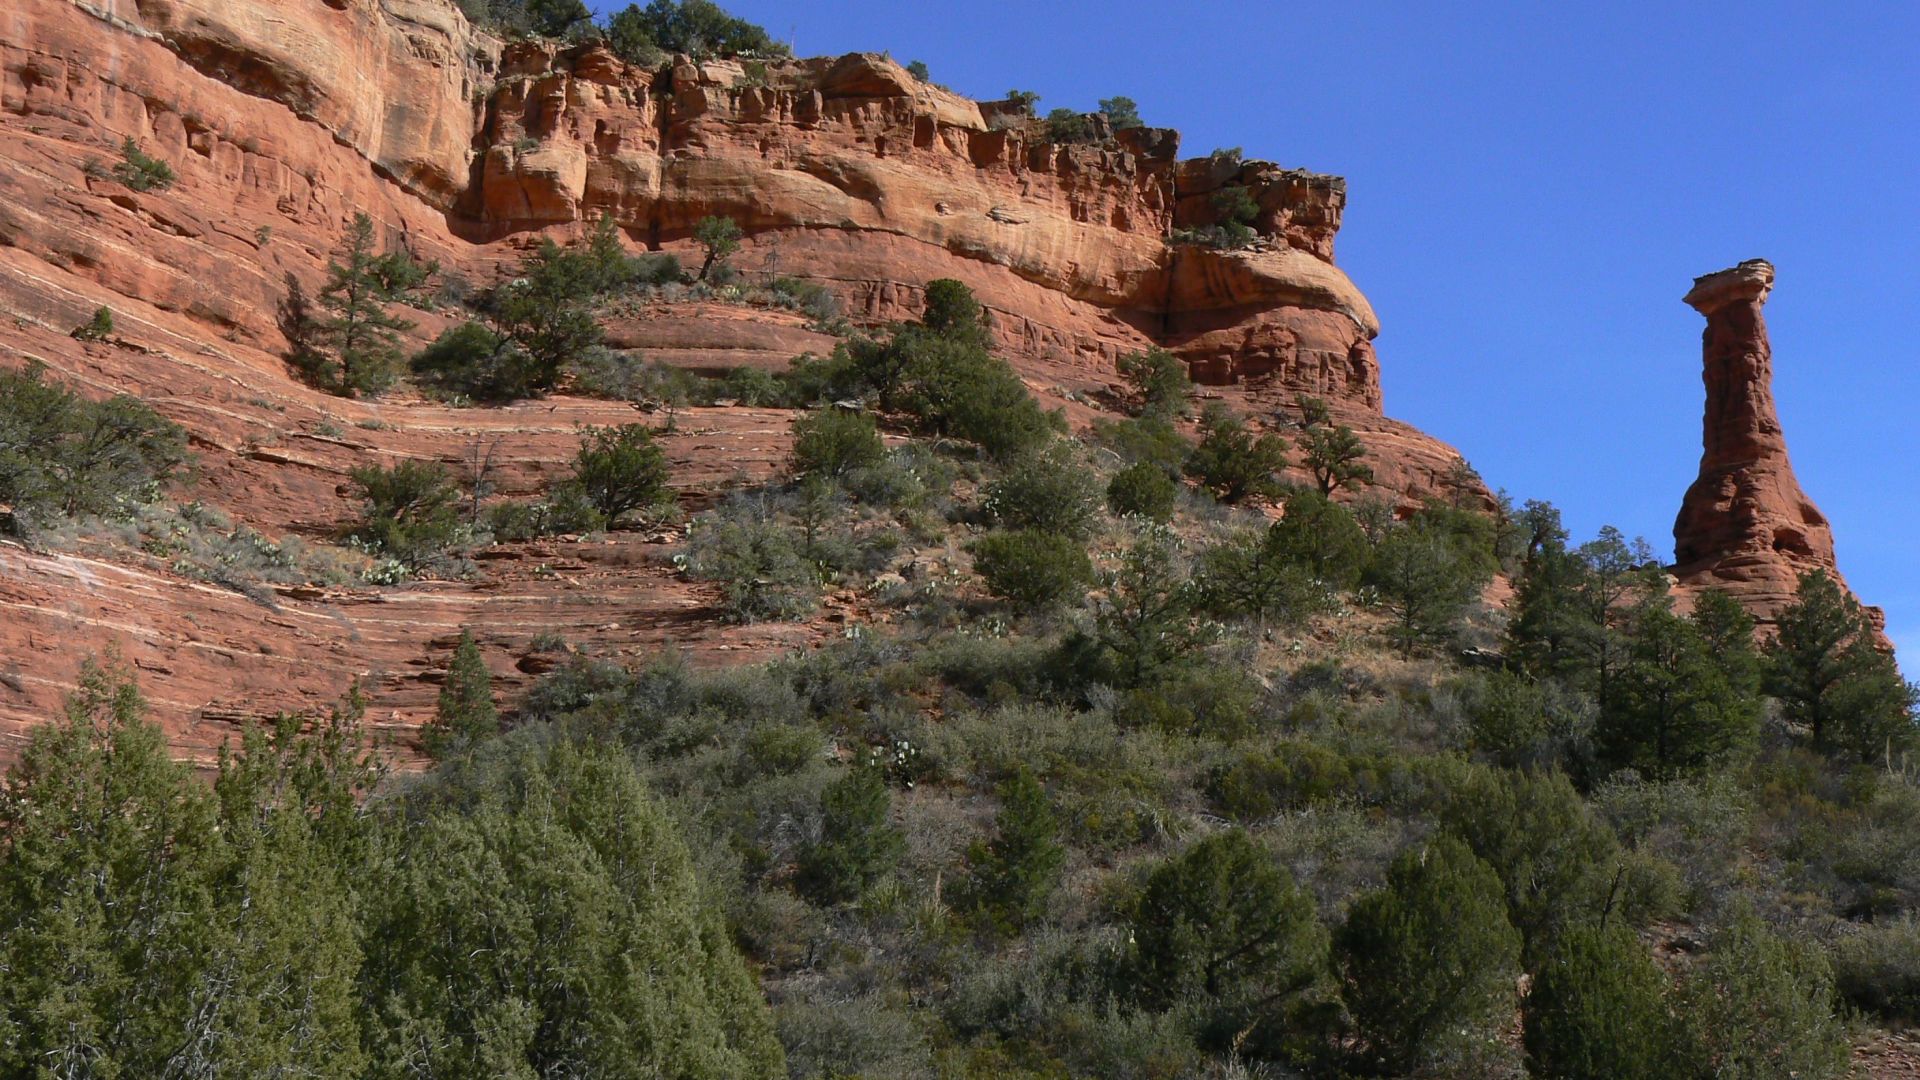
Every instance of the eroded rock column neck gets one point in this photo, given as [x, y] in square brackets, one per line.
[1741, 424]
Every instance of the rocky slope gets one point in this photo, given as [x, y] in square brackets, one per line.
[285, 117]
[1745, 526]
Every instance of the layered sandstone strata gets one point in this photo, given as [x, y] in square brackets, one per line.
[283, 118]
[1745, 525]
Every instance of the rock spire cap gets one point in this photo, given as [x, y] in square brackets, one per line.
[1751, 280]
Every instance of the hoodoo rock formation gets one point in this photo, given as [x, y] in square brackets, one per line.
[1746, 526]
[282, 119]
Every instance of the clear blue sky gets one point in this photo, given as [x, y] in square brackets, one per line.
[1532, 188]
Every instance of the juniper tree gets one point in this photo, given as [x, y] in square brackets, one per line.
[719, 237]
[857, 843]
[1011, 874]
[1597, 1010]
[1430, 961]
[1234, 462]
[465, 714]
[1159, 379]
[1222, 925]
[621, 469]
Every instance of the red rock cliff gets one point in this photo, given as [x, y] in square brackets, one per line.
[285, 117]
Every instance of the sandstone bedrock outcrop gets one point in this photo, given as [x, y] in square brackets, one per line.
[283, 118]
[1745, 525]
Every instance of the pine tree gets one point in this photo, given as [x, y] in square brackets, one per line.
[466, 714]
[1430, 960]
[1011, 875]
[1830, 679]
[364, 340]
[1681, 700]
[1597, 1010]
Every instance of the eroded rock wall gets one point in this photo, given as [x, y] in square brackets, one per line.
[283, 118]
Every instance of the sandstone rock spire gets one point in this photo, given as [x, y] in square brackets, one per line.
[1745, 525]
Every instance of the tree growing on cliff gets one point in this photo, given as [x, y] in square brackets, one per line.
[465, 714]
[1331, 452]
[1830, 678]
[1233, 462]
[1121, 112]
[141, 171]
[409, 512]
[61, 454]
[719, 237]
[360, 342]
[1160, 380]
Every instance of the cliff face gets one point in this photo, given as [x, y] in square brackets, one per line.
[1745, 526]
[285, 117]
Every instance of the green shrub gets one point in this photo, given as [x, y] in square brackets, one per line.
[754, 387]
[565, 510]
[1292, 776]
[409, 512]
[1030, 569]
[758, 562]
[472, 360]
[1145, 440]
[1223, 926]
[1554, 858]
[1430, 960]
[140, 171]
[1763, 1006]
[1249, 576]
[98, 328]
[833, 442]
[621, 469]
[61, 455]
[1877, 970]
[857, 844]
[1068, 126]
[1044, 492]
[1597, 1010]
[1143, 490]
[1321, 537]
[1011, 874]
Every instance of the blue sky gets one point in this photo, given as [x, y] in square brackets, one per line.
[1531, 190]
